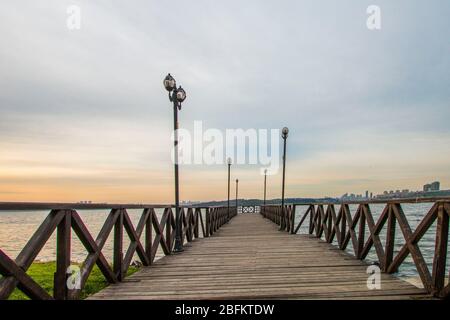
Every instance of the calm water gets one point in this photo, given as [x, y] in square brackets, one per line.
[414, 213]
[17, 227]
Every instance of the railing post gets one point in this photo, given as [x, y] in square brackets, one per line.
[293, 219]
[208, 223]
[287, 218]
[278, 215]
[319, 220]
[213, 221]
[390, 237]
[330, 222]
[343, 227]
[149, 235]
[218, 219]
[197, 214]
[281, 216]
[118, 246]
[362, 232]
[169, 224]
[440, 255]
[63, 248]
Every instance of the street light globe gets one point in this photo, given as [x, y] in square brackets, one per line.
[285, 132]
[229, 161]
[237, 180]
[169, 83]
[265, 171]
[181, 94]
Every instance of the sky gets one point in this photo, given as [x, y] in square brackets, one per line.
[84, 114]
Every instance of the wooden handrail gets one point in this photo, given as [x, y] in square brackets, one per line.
[341, 228]
[64, 221]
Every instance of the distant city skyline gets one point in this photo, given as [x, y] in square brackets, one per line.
[428, 188]
[84, 114]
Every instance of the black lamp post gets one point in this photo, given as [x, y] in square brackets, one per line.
[284, 135]
[177, 96]
[237, 188]
[265, 183]
[229, 167]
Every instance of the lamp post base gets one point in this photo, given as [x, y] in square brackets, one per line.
[178, 246]
[281, 226]
[177, 250]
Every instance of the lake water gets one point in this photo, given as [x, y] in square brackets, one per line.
[17, 227]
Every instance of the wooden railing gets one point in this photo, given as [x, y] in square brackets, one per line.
[342, 227]
[158, 233]
[284, 218]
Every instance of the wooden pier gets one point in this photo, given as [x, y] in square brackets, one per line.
[227, 255]
[249, 258]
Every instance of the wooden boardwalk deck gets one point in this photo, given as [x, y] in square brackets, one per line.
[250, 259]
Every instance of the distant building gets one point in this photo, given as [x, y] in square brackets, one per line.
[367, 194]
[434, 186]
[371, 195]
[85, 202]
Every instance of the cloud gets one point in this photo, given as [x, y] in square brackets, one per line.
[365, 108]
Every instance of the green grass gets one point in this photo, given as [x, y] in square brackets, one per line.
[42, 273]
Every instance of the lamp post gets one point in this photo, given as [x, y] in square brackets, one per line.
[237, 188]
[265, 183]
[177, 96]
[229, 167]
[284, 135]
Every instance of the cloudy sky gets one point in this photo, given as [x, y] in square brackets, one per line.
[84, 115]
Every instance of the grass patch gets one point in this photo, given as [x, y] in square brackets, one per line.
[42, 273]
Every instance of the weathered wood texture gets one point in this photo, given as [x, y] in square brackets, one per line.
[159, 233]
[249, 258]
